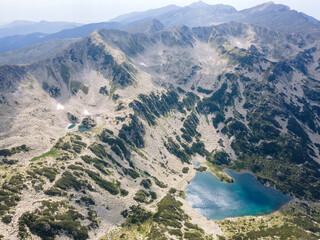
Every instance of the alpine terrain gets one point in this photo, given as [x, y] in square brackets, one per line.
[98, 137]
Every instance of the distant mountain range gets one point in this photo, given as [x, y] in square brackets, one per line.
[269, 14]
[274, 16]
[34, 52]
[150, 14]
[19, 41]
[27, 27]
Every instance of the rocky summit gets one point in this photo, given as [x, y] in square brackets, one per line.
[99, 138]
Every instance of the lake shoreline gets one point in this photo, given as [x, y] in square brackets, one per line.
[265, 200]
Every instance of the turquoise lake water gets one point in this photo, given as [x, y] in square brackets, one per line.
[246, 196]
[196, 164]
[83, 129]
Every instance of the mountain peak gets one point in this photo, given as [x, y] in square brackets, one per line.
[270, 6]
[150, 26]
[141, 16]
[155, 26]
[269, 3]
[198, 4]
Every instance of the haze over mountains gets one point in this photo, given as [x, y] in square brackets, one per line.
[101, 125]
[270, 15]
[202, 14]
[26, 27]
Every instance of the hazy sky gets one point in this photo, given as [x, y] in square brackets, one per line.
[85, 11]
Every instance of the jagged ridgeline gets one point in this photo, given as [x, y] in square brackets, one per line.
[105, 133]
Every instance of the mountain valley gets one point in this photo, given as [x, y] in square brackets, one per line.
[99, 137]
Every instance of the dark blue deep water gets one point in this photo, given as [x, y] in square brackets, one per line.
[246, 196]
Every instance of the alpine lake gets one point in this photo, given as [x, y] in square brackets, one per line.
[246, 196]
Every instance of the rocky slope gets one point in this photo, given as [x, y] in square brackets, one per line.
[35, 52]
[106, 131]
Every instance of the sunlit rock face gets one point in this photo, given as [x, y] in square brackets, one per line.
[106, 131]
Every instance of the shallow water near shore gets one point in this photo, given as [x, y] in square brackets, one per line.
[197, 164]
[246, 196]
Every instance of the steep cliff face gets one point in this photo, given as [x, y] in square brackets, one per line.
[146, 106]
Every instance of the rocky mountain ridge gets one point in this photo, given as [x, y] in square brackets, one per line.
[274, 16]
[99, 140]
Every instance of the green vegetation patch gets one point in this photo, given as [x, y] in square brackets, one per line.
[63, 144]
[219, 158]
[136, 214]
[99, 164]
[170, 213]
[69, 181]
[6, 219]
[143, 196]
[76, 86]
[117, 144]
[10, 192]
[65, 74]
[159, 183]
[131, 172]
[122, 74]
[98, 150]
[14, 150]
[169, 218]
[87, 201]
[176, 150]
[53, 219]
[106, 185]
[298, 220]
[152, 106]
[48, 172]
[88, 122]
[52, 90]
[146, 183]
[104, 91]
[184, 152]
[185, 170]
[189, 129]
[133, 133]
